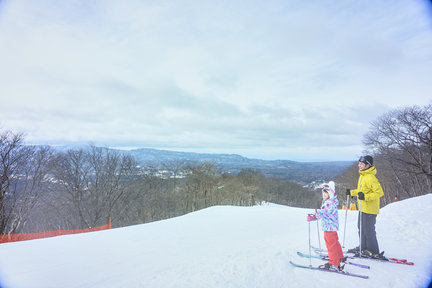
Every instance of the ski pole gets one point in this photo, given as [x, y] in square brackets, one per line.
[360, 220]
[346, 217]
[310, 252]
[319, 239]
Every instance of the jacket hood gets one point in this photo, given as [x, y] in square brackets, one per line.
[371, 170]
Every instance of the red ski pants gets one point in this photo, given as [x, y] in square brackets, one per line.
[333, 246]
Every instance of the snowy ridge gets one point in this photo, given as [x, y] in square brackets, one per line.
[221, 246]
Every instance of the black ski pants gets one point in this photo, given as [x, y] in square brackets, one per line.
[368, 235]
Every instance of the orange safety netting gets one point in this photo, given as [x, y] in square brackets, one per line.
[39, 235]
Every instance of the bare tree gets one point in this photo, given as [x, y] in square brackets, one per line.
[109, 172]
[24, 174]
[73, 172]
[93, 181]
[201, 184]
[403, 137]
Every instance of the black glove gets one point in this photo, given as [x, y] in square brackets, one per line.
[348, 192]
[361, 196]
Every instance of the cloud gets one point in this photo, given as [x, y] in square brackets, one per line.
[284, 79]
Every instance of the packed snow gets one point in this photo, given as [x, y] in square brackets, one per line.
[222, 246]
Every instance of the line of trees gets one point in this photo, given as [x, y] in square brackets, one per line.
[76, 188]
[41, 188]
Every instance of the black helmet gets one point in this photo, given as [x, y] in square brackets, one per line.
[366, 159]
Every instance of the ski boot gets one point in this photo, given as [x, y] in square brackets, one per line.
[368, 254]
[328, 266]
[354, 250]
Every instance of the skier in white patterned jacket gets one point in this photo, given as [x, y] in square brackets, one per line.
[330, 225]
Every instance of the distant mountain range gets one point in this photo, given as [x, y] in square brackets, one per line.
[300, 172]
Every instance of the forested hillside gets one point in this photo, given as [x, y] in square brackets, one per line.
[42, 188]
[298, 172]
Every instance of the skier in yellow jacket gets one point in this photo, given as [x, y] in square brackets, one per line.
[368, 191]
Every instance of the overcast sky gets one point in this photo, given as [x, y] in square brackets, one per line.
[277, 79]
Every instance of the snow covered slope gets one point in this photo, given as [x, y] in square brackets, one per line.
[221, 247]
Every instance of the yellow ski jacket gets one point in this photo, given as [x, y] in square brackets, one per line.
[369, 185]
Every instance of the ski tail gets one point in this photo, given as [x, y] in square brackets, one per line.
[383, 259]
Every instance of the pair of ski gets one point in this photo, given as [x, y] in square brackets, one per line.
[321, 252]
[325, 257]
[346, 273]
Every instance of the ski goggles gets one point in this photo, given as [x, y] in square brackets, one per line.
[364, 160]
[326, 188]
